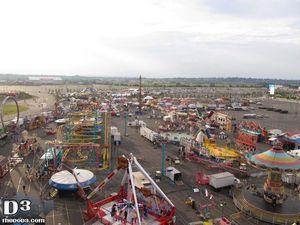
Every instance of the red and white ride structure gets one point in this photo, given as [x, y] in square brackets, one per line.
[148, 205]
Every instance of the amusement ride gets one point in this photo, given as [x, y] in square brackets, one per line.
[147, 204]
[270, 203]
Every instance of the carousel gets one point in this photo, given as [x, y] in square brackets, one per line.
[271, 202]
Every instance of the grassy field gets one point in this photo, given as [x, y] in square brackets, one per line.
[12, 109]
[20, 96]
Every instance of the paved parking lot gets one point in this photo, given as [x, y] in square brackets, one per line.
[275, 120]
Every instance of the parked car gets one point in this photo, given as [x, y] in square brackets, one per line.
[176, 160]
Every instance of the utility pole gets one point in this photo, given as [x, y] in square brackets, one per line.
[163, 149]
[126, 117]
[126, 134]
[140, 95]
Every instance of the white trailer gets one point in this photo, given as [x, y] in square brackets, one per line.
[148, 134]
[113, 130]
[173, 174]
[117, 136]
[144, 131]
[220, 180]
[186, 143]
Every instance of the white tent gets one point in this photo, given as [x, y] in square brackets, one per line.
[148, 98]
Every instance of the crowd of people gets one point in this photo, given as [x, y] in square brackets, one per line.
[128, 214]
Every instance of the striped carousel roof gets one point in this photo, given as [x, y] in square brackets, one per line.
[275, 158]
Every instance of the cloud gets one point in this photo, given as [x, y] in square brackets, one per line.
[171, 37]
[257, 8]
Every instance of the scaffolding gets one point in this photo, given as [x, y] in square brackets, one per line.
[86, 141]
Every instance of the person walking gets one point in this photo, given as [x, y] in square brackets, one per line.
[134, 218]
[24, 189]
[145, 211]
[113, 210]
[125, 216]
[117, 214]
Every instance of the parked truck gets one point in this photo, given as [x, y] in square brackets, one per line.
[173, 160]
[174, 175]
[220, 180]
[117, 138]
[116, 135]
[149, 134]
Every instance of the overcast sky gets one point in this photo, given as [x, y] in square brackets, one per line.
[155, 38]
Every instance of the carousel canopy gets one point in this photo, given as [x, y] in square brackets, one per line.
[275, 158]
[64, 180]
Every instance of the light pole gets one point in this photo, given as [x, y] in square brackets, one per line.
[163, 149]
[126, 134]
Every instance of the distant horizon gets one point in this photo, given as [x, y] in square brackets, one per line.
[151, 77]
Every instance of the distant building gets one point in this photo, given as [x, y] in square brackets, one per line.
[45, 80]
[133, 91]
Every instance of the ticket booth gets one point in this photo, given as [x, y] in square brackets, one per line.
[4, 165]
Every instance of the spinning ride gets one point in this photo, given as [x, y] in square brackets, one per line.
[276, 161]
[64, 180]
[157, 208]
[270, 203]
